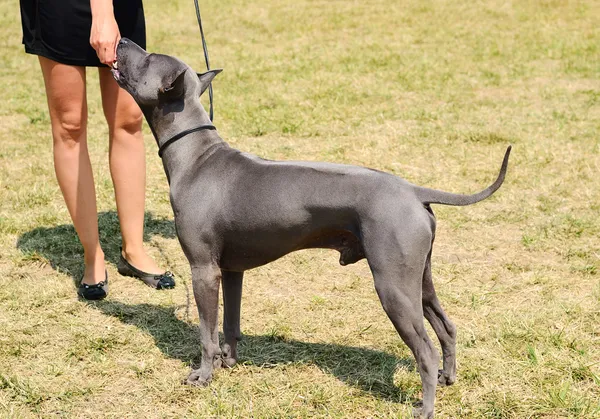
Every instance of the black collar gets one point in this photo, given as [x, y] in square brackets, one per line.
[182, 134]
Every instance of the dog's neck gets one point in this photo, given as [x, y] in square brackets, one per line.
[169, 119]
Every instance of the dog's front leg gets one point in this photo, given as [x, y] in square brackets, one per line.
[206, 280]
[232, 298]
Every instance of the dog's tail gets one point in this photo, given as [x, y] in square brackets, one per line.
[432, 196]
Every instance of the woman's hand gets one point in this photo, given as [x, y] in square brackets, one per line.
[105, 33]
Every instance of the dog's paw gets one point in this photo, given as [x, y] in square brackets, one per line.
[196, 379]
[418, 413]
[217, 362]
[445, 379]
[229, 360]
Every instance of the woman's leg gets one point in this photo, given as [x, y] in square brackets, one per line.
[66, 93]
[128, 168]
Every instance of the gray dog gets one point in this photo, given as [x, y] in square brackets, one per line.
[235, 211]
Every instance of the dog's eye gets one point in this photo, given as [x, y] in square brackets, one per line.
[167, 89]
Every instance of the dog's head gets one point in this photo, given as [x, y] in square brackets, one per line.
[153, 79]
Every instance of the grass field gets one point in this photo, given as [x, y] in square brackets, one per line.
[432, 91]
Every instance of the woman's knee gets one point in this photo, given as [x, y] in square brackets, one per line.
[67, 105]
[69, 128]
[128, 121]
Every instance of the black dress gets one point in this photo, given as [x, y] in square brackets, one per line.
[60, 29]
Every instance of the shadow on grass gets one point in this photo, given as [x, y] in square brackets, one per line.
[369, 370]
[61, 247]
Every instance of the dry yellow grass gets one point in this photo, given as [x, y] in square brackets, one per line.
[430, 91]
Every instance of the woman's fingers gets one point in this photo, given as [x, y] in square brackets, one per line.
[107, 53]
[104, 37]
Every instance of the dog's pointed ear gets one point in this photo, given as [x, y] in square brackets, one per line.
[174, 87]
[206, 78]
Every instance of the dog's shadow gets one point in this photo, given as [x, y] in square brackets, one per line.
[61, 247]
[369, 370]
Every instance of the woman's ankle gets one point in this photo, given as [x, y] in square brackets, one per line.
[138, 257]
[95, 267]
[133, 252]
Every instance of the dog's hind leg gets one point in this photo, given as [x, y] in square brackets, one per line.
[442, 325]
[232, 299]
[403, 307]
[206, 280]
[397, 266]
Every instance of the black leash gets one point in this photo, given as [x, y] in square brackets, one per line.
[182, 134]
[210, 89]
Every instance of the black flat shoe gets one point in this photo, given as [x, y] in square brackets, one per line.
[161, 281]
[97, 291]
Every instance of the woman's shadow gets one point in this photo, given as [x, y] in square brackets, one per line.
[368, 370]
[61, 247]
